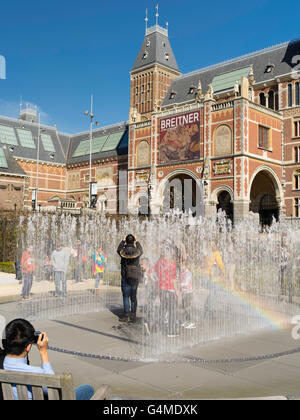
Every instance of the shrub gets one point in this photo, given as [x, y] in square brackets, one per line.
[7, 267]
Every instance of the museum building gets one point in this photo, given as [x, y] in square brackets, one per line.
[230, 131]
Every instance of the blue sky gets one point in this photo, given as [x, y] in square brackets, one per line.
[60, 52]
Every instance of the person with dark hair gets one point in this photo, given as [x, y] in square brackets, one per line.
[130, 251]
[19, 336]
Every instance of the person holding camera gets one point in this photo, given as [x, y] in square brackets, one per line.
[20, 335]
[130, 251]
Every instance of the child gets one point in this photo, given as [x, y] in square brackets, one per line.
[99, 259]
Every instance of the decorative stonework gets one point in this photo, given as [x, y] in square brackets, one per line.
[222, 168]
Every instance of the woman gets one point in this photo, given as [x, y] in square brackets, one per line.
[130, 251]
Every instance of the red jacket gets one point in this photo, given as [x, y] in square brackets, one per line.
[166, 273]
[28, 263]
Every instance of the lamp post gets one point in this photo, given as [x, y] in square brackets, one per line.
[37, 162]
[91, 115]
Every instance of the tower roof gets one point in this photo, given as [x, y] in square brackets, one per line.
[156, 49]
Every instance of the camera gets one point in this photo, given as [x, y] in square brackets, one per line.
[36, 336]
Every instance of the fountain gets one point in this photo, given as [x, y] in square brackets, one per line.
[240, 282]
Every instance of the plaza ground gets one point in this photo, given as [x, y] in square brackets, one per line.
[100, 334]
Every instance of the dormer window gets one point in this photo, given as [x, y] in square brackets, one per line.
[167, 56]
[172, 95]
[192, 90]
[145, 55]
[269, 68]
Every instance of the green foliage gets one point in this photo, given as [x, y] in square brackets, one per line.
[7, 267]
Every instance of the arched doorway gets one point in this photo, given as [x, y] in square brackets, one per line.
[264, 197]
[268, 208]
[143, 206]
[182, 192]
[225, 204]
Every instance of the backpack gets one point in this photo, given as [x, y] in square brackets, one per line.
[133, 273]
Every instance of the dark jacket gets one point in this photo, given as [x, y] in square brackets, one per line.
[130, 254]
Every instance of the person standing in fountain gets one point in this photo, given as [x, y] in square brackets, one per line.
[166, 272]
[99, 259]
[80, 271]
[60, 261]
[130, 251]
[186, 287]
[28, 266]
[151, 295]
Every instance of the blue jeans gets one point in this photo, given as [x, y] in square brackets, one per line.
[60, 278]
[129, 291]
[27, 284]
[84, 392]
[99, 276]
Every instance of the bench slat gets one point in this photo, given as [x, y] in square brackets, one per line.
[34, 379]
[37, 393]
[22, 392]
[53, 394]
[7, 392]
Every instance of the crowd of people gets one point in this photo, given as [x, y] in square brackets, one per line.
[57, 264]
[168, 286]
[167, 280]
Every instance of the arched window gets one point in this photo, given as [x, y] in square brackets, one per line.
[297, 93]
[262, 99]
[271, 99]
[143, 153]
[223, 141]
[290, 95]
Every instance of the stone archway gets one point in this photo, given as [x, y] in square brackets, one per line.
[265, 195]
[225, 204]
[183, 192]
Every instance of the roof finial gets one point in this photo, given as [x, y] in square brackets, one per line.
[156, 7]
[167, 25]
[146, 20]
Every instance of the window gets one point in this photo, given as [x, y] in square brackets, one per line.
[136, 95]
[148, 91]
[297, 154]
[192, 90]
[172, 95]
[47, 143]
[297, 93]
[297, 182]
[262, 99]
[271, 99]
[3, 162]
[263, 137]
[8, 135]
[297, 128]
[290, 95]
[297, 207]
[142, 96]
[26, 138]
